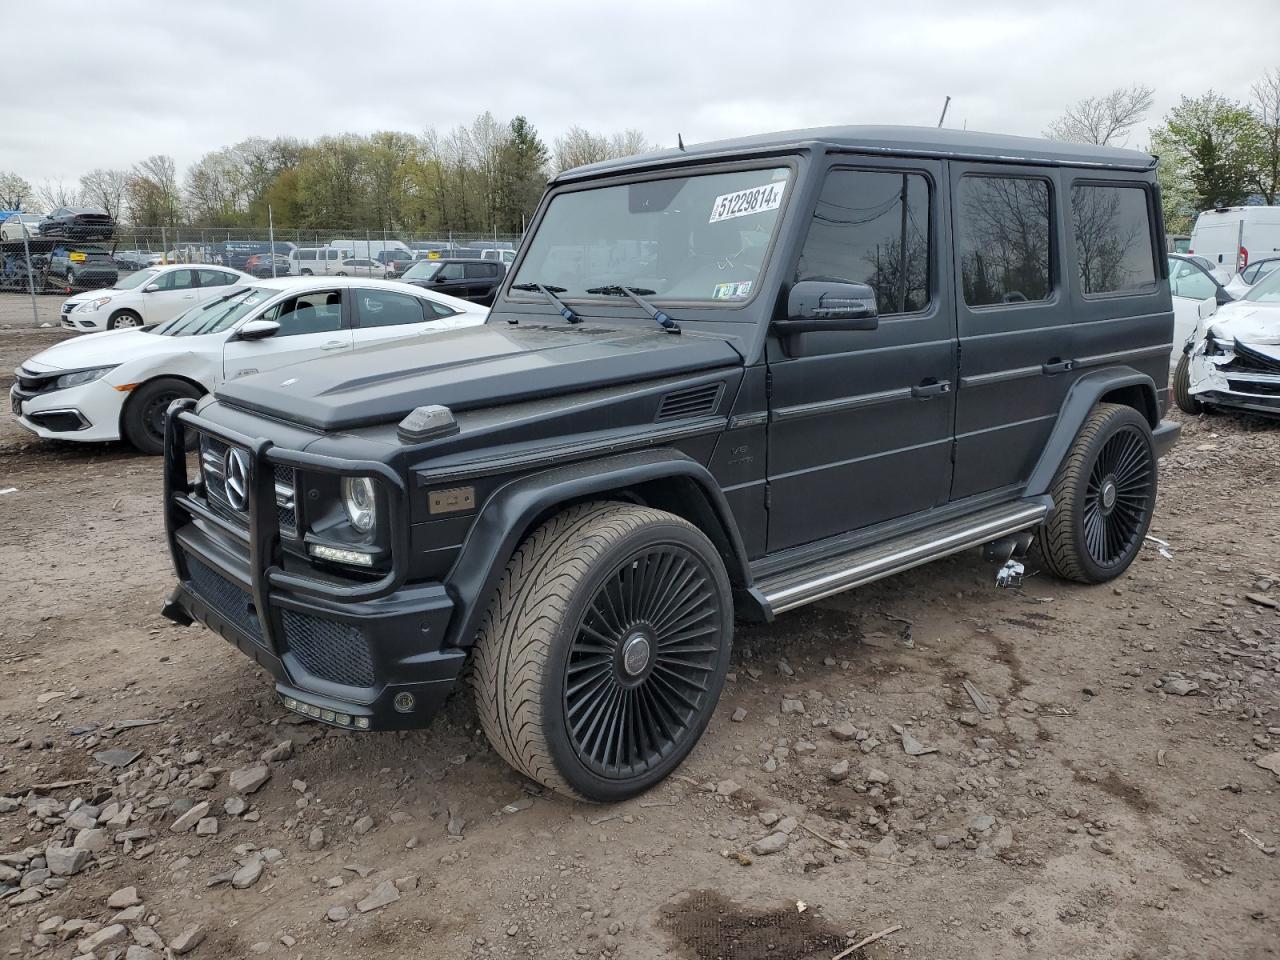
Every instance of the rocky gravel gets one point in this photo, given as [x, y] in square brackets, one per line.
[1046, 771]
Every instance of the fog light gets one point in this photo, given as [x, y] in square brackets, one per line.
[357, 558]
[403, 702]
[291, 703]
[362, 723]
[344, 720]
[328, 716]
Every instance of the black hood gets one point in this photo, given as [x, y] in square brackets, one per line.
[466, 369]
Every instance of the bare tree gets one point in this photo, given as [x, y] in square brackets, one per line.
[1103, 120]
[578, 147]
[14, 191]
[106, 189]
[53, 194]
[628, 143]
[1266, 104]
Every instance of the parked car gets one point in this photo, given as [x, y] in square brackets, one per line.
[317, 261]
[260, 265]
[105, 386]
[131, 259]
[78, 223]
[18, 224]
[1233, 359]
[750, 409]
[396, 261]
[149, 296]
[470, 279]
[507, 257]
[82, 267]
[1232, 237]
[369, 248]
[1239, 285]
[363, 267]
[1197, 292]
[234, 253]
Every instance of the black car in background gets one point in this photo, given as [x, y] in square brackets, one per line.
[468, 278]
[78, 223]
[236, 253]
[259, 265]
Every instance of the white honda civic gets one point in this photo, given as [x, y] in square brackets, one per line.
[148, 296]
[105, 386]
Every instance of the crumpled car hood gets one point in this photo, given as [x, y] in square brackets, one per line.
[1257, 324]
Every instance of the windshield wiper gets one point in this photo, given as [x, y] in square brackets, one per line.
[550, 294]
[616, 290]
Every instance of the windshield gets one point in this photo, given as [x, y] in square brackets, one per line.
[139, 279]
[1266, 290]
[684, 238]
[422, 270]
[216, 315]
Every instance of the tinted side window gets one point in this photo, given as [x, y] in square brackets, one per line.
[1113, 239]
[450, 271]
[863, 223]
[213, 278]
[477, 271]
[383, 308]
[306, 254]
[311, 313]
[177, 280]
[439, 309]
[1002, 236]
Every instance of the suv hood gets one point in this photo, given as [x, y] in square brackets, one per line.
[476, 367]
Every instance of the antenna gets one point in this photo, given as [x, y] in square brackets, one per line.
[679, 140]
[946, 103]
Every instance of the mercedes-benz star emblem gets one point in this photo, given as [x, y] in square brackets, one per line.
[236, 471]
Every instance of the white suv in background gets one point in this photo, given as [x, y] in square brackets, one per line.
[318, 261]
[148, 296]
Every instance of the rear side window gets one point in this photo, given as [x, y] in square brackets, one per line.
[872, 227]
[478, 271]
[1113, 239]
[383, 308]
[215, 278]
[306, 255]
[1002, 236]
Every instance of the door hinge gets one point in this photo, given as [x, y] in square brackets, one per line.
[768, 496]
[768, 383]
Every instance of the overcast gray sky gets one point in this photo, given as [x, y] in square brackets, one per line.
[106, 84]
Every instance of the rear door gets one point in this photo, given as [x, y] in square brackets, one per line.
[177, 293]
[315, 324]
[212, 283]
[1195, 296]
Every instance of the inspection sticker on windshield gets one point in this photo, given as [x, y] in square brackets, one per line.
[732, 291]
[743, 203]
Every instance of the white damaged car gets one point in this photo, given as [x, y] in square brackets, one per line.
[1232, 359]
[104, 386]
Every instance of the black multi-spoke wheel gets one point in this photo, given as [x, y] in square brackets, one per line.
[602, 656]
[640, 668]
[1103, 498]
[143, 419]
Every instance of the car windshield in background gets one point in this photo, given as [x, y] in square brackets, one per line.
[422, 270]
[1266, 290]
[684, 238]
[217, 315]
[134, 280]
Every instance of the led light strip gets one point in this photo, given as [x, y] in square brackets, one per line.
[327, 716]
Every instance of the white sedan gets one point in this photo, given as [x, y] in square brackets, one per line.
[149, 296]
[119, 384]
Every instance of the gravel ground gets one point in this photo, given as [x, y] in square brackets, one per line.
[16, 312]
[1112, 800]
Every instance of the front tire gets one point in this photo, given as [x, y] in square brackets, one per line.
[602, 655]
[123, 320]
[1104, 496]
[1182, 388]
[142, 422]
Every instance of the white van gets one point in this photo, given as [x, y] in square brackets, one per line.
[370, 248]
[1233, 237]
[318, 261]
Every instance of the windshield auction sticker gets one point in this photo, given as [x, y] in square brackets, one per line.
[743, 203]
[732, 291]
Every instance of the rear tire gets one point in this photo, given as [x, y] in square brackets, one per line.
[1182, 388]
[1104, 495]
[123, 320]
[143, 419]
[601, 657]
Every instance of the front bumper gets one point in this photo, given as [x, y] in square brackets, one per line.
[1225, 382]
[367, 654]
[89, 413]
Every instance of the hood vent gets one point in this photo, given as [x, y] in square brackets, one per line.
[690, 402]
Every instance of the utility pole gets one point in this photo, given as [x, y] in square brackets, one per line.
[945, 104]
[271, 236]
[31, 280]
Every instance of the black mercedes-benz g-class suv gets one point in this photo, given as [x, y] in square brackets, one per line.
[724, 380]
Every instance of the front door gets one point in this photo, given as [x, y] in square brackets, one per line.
[177, 293]
[860, 425]
[312, 325]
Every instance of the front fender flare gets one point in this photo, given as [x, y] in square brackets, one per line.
[1081, 398]
[511, 512]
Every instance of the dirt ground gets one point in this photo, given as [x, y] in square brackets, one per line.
[1095, 811]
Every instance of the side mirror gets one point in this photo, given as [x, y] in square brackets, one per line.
[151, 288]
[258, 330]
[1223, 297]
[816, 305]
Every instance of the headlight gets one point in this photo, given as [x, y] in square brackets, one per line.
[91, 305]
[81, 377]
[358, 500]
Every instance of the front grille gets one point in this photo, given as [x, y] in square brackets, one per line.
[231, 600]
[213, 454]
[329, 650]
[1247, 359]
[1254, 386]
[68, 307]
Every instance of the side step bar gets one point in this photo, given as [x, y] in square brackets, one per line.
[794, 588]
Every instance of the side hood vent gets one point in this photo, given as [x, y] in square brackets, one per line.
[689, 402]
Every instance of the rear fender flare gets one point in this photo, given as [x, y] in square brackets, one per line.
[514, 509]
[1126, 383]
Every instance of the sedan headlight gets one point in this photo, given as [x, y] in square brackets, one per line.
[81, 377]
[358, 500]
[90, 305]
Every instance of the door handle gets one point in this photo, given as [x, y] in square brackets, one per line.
[1057, 366]
[926, 390]
[334, 345]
